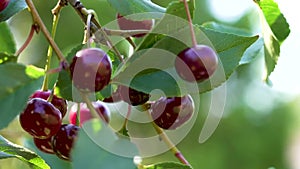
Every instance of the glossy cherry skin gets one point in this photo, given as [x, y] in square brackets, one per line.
[91, 69]
[40, 118]
[172, 112]
[197, 63]
[86, 115]
[131, 96]
[3, 4]
[62, 142]
[45, 145]
[127, 24]
[59, 103]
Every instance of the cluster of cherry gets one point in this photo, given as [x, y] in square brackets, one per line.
[91, 71]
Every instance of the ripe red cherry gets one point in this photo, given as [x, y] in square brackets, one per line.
[45, 145]
[131, 96]
[62, 142]
[86, 115]
[172, 112]
[59, 103]
[3, 4]
[197, 63]
[40, 118]
[126, 24]
[91, 69]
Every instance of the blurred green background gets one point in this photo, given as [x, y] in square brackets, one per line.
[260, 127]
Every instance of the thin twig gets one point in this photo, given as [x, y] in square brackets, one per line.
[28, 40]
[95, 25]
[38, 20]
[88, 30]
[169, 143]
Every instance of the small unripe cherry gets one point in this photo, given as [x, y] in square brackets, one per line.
[127, 24]
[197, 63]
[91, 69]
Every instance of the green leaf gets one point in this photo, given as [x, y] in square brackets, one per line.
[275, 30]
[106, 148]
[253, 51]
[156, 63]
[226, 28]
[17, 83]
[275, 19]
[10, 150]
[129, 7]
[13, 8]
[5, 58]
[7, 43]
[167, 165]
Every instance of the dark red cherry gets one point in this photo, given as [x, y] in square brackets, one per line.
[131, 96]
[3, 4]
[40, 118]
[91, 69]
[172, 112]
[127, 24]
[115, 97]
[59, 103]
[85, 114]
[197, 63]
[62, 142]
[45, 145]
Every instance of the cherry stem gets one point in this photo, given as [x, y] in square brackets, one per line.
[56, 15]
[186, 6]
[131, 42]
[127, 116]
[88, 30]
[78, 115]
[51, 96]
[170, 144]
[28, 40]
[37, 19]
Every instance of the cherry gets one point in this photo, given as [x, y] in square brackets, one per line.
[127, 24]
[115, 97]
[131, 96]
[62, 142]
[45, 145]
[102, 111]
[86, 115]
[197, 63]
[172, 112]
[40, 118]
[59, 103]
[91, 69]
[3, 4]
